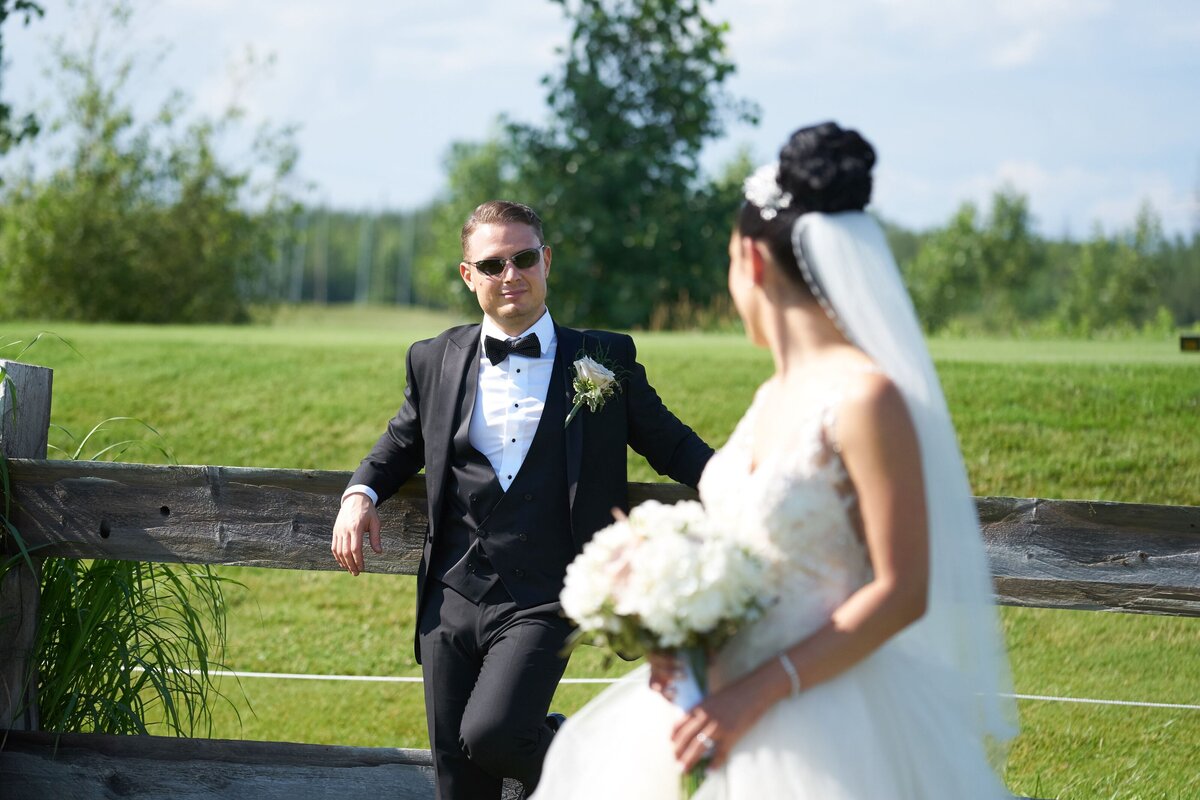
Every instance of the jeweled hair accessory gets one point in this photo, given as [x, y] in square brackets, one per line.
[763, 191]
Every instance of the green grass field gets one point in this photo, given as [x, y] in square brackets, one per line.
[1112, 421]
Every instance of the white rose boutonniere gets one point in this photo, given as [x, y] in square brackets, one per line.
[594, 383]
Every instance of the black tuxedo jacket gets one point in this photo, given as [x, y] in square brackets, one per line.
[437, 388]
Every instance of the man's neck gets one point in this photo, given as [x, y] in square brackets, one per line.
[514, 328]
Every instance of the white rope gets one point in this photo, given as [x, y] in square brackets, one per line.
[366, 679]
[293, 676]
[1183, 706]
[417, 679]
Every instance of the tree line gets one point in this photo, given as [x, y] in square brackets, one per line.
[989, 272]
[146, 220]
[986, 271]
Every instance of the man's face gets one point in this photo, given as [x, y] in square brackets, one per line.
[515, 298]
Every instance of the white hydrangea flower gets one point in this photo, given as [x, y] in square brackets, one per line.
[665, 577]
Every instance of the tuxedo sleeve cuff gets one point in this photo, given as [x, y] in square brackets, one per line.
[361, 488]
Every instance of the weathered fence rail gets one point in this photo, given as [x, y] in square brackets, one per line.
[1047, 553]
[47, 766]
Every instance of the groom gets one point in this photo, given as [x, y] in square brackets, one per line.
[514, 493]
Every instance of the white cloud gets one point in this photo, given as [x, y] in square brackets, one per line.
[870, 35]
[1069, 198]
[1020, 51]
[1058, 13]
[205, 6]
[961, 96]
[1177, 209]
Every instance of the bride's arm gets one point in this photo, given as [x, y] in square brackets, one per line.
[879, 448]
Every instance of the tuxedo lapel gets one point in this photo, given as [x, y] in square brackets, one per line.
[570, 343]
[456, 393]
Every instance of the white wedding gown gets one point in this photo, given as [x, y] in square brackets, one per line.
[892, 726]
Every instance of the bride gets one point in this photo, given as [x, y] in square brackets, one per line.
[879, 671]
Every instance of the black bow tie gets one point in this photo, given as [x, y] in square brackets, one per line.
[499, 349]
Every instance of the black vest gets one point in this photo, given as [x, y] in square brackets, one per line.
[520, 538]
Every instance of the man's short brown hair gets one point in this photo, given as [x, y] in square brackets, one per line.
[501, 211]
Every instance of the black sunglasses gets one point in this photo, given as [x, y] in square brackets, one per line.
[522, 260]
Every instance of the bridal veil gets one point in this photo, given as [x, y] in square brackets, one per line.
[846, 260]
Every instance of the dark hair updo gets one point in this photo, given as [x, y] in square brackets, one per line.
[824, 168]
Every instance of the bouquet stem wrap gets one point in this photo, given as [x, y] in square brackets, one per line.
[689, 689]
[692, 685]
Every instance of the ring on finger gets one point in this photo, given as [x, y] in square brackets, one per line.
[706, 741]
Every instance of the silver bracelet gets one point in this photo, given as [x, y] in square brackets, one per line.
[790, 669]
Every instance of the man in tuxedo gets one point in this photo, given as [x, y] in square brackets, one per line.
[514, 494]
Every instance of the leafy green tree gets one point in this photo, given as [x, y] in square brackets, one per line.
[1012, 259]
[140, 221]
[944, 276]
[638, 96]
[13, 131]
[987, 274]
[904, 243]
[1116, 281]
[698, 276]
[1081, 306]
[1181, 279]
[475, 171]
[615, 171]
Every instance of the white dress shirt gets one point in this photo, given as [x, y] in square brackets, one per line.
[509, 398]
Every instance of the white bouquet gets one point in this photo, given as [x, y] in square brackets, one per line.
[665, 578]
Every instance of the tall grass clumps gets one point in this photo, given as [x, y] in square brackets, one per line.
[122, 647]
[124, 643]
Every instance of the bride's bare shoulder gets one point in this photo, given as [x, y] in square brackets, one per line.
[872, 407]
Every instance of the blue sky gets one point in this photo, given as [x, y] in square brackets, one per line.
[1090, 107]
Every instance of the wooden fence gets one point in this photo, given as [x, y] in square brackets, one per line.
[1046, 553]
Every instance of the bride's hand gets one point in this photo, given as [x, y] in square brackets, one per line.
[665, 669]
[722, 719]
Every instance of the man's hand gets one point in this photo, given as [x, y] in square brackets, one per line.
[356, 518]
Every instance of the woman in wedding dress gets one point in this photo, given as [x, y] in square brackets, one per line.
[878, 671]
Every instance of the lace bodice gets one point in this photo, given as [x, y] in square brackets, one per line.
[797, 509]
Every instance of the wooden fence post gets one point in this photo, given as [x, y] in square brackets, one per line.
[24, 428]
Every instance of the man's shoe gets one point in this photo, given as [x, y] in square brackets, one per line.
[555, 720]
